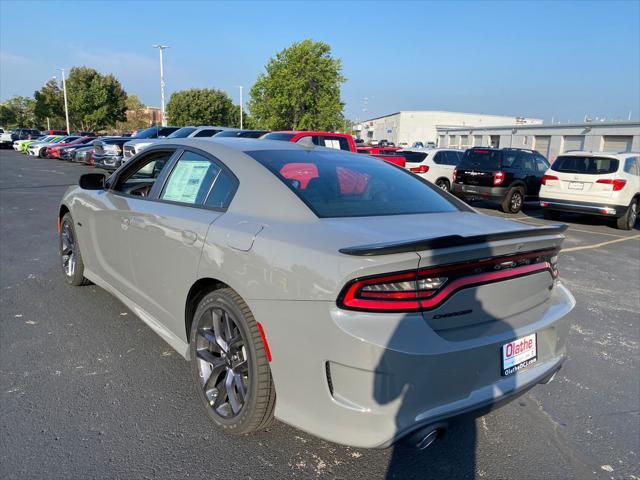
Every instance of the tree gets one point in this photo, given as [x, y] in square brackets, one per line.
[49, 103]
[18, 112]
[136, 115]
[300, 90]
[95, 101]
[200, 106]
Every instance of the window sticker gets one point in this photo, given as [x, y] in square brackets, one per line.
[185, 181]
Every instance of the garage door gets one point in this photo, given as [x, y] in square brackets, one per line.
[572, 142]
[477, 140]
[441, 141]
[542, 144]
[464, 140]
[617, 144]
[453, 141]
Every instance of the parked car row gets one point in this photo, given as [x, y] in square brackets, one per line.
[584, 182]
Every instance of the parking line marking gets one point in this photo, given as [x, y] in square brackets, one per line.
[598, 245]
[570, 228]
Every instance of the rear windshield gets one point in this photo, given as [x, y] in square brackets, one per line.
[586, 165]
[147, 133]
[279, 136]
[481, 159]
[339, 184]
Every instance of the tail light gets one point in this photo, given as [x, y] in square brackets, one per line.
[420, 169]
[425, 289]
[453, 175]
[546, 178]
[498, 178]
[618, 184]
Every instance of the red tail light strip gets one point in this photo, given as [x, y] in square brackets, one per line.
[462, 276]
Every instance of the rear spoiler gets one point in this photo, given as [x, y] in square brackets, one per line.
[447, 241]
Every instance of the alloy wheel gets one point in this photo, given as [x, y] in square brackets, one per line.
[516, 201]
[68, 249]
[222, 362]
[442, 184]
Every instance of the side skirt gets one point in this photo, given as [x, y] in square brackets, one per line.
[174, 341]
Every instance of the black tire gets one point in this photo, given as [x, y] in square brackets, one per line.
[258, 401]
[628, 220]
[443, 183]
[513, 200]
[42, 153]
[550, 214]
[70, 256]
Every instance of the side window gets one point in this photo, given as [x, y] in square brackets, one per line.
[140, 178]
[440, 158]
[542, 164]
[631, 166]
[309, 140]
[339, 143]
[527, 163]
[190, 180]
[222, 191]
[206, 133]
[512, 159]
[453, 158]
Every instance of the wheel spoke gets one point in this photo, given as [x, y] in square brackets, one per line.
[234, 402]
[218, 368]
[221, 398]
[235, 342]
[218, 329]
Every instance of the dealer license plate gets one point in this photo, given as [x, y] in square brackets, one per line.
[518, 354]
[576, 185]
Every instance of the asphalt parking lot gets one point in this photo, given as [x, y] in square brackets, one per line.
[89, 391]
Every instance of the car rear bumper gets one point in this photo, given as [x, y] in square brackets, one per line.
[605, 209]
[475, 192]
[368, 380]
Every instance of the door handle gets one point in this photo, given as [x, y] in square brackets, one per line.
[189, 237]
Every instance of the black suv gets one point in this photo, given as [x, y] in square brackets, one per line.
[25, 134]
[507, 176]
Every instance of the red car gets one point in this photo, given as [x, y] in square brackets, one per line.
[54, 152]
[54, 132]
[339, 141]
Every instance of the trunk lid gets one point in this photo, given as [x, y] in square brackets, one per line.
[498, 274]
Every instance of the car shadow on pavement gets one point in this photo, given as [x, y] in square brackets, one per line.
[444, 372]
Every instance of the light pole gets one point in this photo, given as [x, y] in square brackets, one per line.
[66, 105]
[164, 114]
[240, 87]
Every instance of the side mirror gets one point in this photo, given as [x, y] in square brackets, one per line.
[92, 181]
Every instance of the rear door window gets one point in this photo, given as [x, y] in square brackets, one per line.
[338, 143]
[585, 165]
[190, 179]
[631, 166]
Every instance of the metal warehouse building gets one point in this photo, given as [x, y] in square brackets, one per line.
[550, 140]
[407, 127]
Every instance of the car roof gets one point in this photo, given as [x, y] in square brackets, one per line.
[591, 153]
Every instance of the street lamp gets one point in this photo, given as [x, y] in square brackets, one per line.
[240, 87]
[66, 105]
[164, 115]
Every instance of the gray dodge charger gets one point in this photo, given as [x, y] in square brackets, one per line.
[333, 291]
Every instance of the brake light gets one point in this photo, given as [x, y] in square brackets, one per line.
[546, 178]
[425, 289]
[618, 184]
[453, 175]
[420, 169]
[498, 178]
[481, 152]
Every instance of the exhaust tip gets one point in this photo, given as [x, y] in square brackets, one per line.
[427, 440]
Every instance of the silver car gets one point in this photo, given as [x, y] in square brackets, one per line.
[333, 291]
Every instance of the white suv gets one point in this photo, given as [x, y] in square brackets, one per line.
[437, 166]
[595, 183]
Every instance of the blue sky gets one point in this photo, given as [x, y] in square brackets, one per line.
[558, 60]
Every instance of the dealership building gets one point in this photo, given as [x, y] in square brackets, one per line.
[407, 127]
[550, 140]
